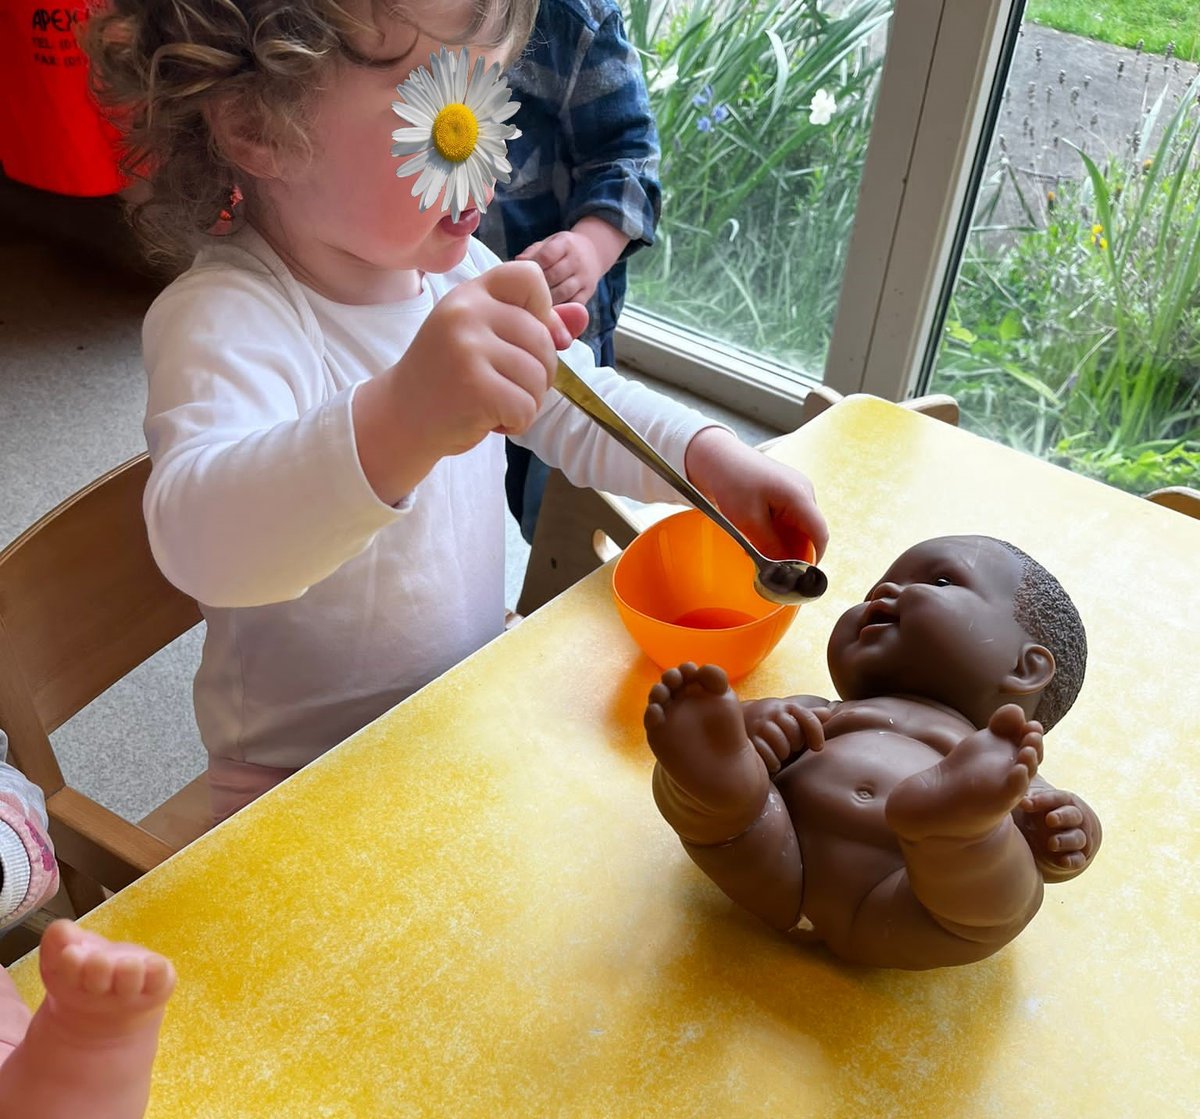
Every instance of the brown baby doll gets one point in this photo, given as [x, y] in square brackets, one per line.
[904, 826]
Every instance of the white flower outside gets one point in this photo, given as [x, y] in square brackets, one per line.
[456, 138]
[823, 106]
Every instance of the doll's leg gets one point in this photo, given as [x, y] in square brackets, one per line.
[90, 1046]
[968, 863]
[712, 787]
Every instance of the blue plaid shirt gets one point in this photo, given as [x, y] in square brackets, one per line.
[588, 144]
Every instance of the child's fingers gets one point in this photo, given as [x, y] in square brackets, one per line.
[574, 319]
[517, 394]
[521, 284]
[571, 290]
[519, 328]
[561, 271]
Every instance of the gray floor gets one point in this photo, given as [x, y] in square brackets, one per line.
[72, 394]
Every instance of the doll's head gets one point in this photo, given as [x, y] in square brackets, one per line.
[215, 95]
[968, 621]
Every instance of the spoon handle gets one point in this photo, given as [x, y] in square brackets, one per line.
[584, 397]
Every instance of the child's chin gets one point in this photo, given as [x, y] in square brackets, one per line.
[444, 258]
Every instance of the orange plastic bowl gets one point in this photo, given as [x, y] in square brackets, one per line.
[685, 591]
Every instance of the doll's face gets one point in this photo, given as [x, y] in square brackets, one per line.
[938, 625]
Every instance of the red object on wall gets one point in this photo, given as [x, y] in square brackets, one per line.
[52, 133]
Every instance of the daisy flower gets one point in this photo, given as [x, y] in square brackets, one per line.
[456, 138]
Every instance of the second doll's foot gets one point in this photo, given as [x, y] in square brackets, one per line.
[974, 787]
[715, 782]
[90, 1046]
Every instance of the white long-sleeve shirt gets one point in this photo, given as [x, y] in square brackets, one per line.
[325, 607]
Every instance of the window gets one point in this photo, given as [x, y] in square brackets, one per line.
[764, 112]
[1073, 328]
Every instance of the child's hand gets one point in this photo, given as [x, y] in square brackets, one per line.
[481, 362]
[483, 359]
[1062, 830]
[574, 260]
[771, 503]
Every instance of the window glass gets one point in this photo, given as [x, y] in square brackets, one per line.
[764, 111]
[1073, 329]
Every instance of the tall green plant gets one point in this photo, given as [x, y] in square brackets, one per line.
[758, 199]
[1081, 340]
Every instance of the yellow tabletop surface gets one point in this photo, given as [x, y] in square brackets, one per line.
[473, 908]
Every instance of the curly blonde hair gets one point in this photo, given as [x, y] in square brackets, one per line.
[161, 64]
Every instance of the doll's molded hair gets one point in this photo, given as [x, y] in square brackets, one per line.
[1045, 611]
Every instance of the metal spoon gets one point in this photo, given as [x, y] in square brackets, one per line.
[789, 582]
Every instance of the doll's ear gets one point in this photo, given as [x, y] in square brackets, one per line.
[1034, 670]
[239, 140]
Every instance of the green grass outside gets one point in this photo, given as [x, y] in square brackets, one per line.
[1124, 22]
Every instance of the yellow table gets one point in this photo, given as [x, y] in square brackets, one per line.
[472, 907]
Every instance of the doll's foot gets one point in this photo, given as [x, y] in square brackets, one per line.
[710, 782]
[91, 1045]
[973, 788]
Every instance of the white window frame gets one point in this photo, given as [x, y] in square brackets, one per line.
[938, 73]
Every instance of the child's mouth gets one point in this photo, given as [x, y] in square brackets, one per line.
[468, 222]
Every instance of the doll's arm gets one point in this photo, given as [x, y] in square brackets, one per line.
[782, 729]
[1062, 830]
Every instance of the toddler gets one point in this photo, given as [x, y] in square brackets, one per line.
[331, 381]
[904, 826]
[89, 1048]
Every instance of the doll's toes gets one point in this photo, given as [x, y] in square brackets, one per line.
[1066, 817]
[1064, 841]
[1074, 860]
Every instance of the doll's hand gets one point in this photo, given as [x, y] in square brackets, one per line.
[1062, 831]
[780, 729]
[771, 503]
[570, 263]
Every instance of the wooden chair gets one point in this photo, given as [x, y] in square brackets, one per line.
[82, 603]
[1183, 499]
[580, 529]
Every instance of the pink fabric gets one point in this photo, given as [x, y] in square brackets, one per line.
[43, 868]
[233, 784]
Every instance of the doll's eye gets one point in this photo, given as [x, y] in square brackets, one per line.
[943, 581]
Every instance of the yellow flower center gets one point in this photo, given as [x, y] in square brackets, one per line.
[455, 131]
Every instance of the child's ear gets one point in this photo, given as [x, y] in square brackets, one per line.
[239, 141]
[1034, 670]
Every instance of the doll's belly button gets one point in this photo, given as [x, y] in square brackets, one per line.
[864, 792]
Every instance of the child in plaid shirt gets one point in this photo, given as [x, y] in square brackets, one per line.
[584, 192]
[89, 1048]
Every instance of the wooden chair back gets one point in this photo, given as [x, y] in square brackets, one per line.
[1183, 499]
[82, 603]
